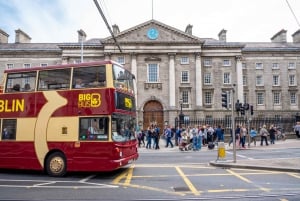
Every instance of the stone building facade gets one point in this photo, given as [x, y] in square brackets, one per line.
[179, 72]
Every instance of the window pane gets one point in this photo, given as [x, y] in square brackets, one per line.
[89, 77]
[184, 76]
[94, 128]
[152, 73]
[207, 78]
[260, 98]
[54, 79]
[9, 129]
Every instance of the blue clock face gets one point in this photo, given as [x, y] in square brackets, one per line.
[152, 33]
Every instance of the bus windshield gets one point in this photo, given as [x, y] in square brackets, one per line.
[122, 128]
[122, 79]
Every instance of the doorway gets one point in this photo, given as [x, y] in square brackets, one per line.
[153, 114]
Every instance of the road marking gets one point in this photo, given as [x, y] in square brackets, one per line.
[188, 182]
[294, 175]
[239, 176]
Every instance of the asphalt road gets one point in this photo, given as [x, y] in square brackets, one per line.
[165, 174]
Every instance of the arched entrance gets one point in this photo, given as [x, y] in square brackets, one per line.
[153, 113]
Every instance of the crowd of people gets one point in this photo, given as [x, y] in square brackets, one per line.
[195, 137]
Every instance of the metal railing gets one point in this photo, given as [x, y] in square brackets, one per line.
[286, 124]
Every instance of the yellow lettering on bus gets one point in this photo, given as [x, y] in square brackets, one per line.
[89, 100]
[14, 105]
[128, 103]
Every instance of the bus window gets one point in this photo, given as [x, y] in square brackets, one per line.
[54, 79]
[123, 79]
[19, 82]
[9, 129]
[89, 77]
[122, 128]
[95, 128]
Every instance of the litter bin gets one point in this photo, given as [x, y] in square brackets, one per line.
[221, 151]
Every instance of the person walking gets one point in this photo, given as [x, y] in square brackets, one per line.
[149, 138]
[272, 132]
[243, 136]
[168, 136]
[237, 133]
[201, 131]
[253, 134]
[263, 135]
[297, 129]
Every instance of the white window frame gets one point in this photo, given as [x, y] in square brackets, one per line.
[185, 76]
[291, 65]
[207, 79]
[26, 65]
[207, 62]
[227, 78]
[157, 73]
[208, 98]
[244, 80]
[292, 80]
[275, 65]
[121, 60]
[244, 65]
[44, 64]
[9, 66]
[276, 98]
[293, 98]
[260, 98]
[276, 80]
[259, 65]
[184, 60]
[226, 62]
[259, 80]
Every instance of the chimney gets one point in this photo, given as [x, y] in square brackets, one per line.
[222, 35]
[296, 36]
[280, 37]
[81, 36]
[189, 29]
[3, 36]
[22, 37]
[116, 29]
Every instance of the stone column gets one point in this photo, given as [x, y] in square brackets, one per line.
[239, 79]
[199, 101]
[134, 72]
[172, 80]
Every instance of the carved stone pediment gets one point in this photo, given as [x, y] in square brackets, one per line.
[166, 34]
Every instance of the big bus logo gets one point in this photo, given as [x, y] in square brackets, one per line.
[89, 100]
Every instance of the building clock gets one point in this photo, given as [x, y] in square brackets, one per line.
[152, 33]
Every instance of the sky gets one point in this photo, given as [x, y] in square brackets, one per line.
[56, 21]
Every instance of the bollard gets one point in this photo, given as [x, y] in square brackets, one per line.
[221, 151]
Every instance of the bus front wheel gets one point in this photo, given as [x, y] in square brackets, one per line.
[56, 164]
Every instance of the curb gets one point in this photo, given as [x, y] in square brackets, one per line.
[229, 164]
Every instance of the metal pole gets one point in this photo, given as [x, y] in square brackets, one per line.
[81, 48]
[233, 126]
[249, 140]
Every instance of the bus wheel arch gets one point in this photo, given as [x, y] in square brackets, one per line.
[55, 163]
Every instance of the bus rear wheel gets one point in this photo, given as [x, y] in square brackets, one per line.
[56, 165]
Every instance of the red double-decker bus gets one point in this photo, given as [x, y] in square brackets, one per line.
[78, 117]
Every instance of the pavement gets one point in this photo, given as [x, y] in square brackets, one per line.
[275, 164]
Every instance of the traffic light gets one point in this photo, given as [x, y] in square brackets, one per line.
[251, 109]
[225, 99]
[242, 109]
[237, 106]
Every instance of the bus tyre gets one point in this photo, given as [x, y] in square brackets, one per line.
[56, 165]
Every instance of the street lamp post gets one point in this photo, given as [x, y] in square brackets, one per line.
[181, 115]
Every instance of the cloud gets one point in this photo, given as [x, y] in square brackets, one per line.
[59, 20]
